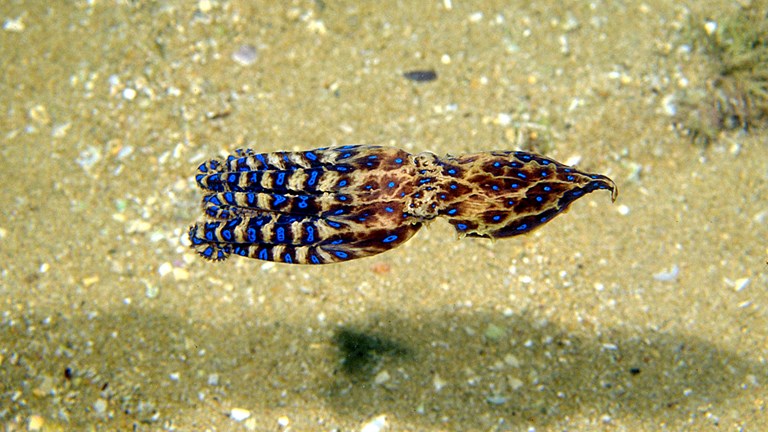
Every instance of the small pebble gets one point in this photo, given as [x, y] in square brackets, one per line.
[239, 414]
[669, 275]
[165, 268]
[35, 423]
[129, 94]
[100, 406]
[381, 377]
[420, 75]
[623, 210]
[245, 55]
[376, 424]
[283, 421]
[213, 379]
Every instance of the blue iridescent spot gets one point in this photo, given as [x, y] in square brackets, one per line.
[398, 160]
[522, 227]
[496, 218]
[342, 183]
[425, 180]
[461, 226]
[570, 178]
[250, 197]
[452, 171]
[453, 186]
[314, 259]
[342, 169]
[543, 219]
[547, 188]
[303, 203]
[521, 175]
[576, 192]
[515, 185]
[310, 234]
[452, 211]
[251, 235]
[310, 156]
[389, 209]
[373, 157]
[208, 251]
[390, 239]
[443, 196]
[495, 187]
[202, 168]
[278, 199]
[226, 234]
[312, 178]
[229, 197]
[497, 164]
[333, 224]
[391, 184]
[337, 242]
[339, 212]
[287, 258]
[280, 234]
[341, 254]
[263, 254]
[543, 174]
[539, 198]
[544, 162]
[342, 198]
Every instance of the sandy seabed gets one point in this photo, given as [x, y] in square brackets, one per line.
[646, 314]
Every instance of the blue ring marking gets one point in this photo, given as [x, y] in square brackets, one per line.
[339, 212]
[229, 197]
[287, 258]
[568, 170]
[341, 169]
[347, 147]
[522, 227]
[516, 165]
[539, 198]
[369, 164]
[345, 155]
[264, 254]
[240, 251]
[278, 199]
[262, 159]
[443, 196]
[453, 186]
[337, 242]
[232, 178]
[521, 175]
[280, 234]
[544, 162]
[391, 184]
[280, 179]
[226, 234]
[390, 239]
[452, 211]
[389, 209]
[313, 178]
[596, 184]
[543, 219]
[495, 187]
[577, 192]
[525, 157]
[543, 174]
[310, 238]
[461, 226]
[425, 180]
[510, 202]
[373, 157]
[570, 178]
[311, 156]
[203, 168]
[368, 187]
[213, 199]
[496, 218]
[398, 160]
[303, 204]
[594, 176]
[220, 255]
[251, 235]
[452, 171]
[547, 188]
[215, 178]
[250, 197]
[402, 194]
[515, 185]
[208, 251]
[497, 164]
[342, 198]
[333, 224]
[233, 223]
[342, 183]
[314, 259]
[341, 254]
[199, 178]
